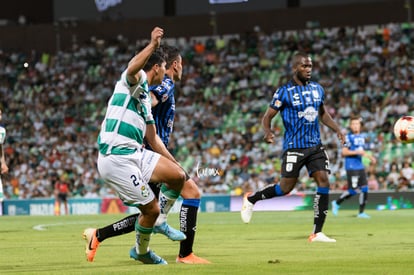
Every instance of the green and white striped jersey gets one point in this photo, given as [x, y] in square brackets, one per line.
[128, 112]
[2, 135]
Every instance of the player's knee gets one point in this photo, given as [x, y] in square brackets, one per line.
[285, 186]
[150, 210]
[176, 179]
[181, 177]
[190, 190]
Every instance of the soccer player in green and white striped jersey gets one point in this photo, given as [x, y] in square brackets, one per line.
[123, 162]
[4, 168]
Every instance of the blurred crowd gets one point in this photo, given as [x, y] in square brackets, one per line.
[53, 105]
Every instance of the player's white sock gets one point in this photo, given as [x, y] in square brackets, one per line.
[143, 238]
[166, 200]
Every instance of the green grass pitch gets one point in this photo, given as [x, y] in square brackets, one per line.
[273, 243]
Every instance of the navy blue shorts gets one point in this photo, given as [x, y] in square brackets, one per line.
[314, 158]
[356, 178]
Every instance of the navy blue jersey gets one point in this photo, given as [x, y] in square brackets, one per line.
[299, 109]
[355, 142]
[164, 111]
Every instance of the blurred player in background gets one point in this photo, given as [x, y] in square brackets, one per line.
[123, 162]
[355, 169]
[61, 194]
[4, 167]
[163, 109]
[301, 105]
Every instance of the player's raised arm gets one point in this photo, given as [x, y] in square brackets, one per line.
[139, 60]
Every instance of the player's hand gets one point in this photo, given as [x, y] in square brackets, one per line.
[268, 137]
[156, 35]
[341, 137]
[4, 168]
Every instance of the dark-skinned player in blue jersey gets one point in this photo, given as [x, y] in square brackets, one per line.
[300, 103]
[163, 110]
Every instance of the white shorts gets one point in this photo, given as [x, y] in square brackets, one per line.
[1, 190]
[129, 175]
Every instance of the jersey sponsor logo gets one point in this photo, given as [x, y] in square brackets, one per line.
[310, 114]
[359, 142]
[295, 153]
[158, 89]
[291, 159]
[166, 85]
[296, 100]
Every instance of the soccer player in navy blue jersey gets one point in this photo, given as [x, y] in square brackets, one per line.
[355, 169]
[163, 111]
[300, 103]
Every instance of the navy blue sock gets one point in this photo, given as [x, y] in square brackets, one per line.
[188, 225]
[120, 227]
[266, 193]
[363, 197]
[320, 207]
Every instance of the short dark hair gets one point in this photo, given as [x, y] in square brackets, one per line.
[354, 116]
[157, 57]
[171, 53]
[297, 56]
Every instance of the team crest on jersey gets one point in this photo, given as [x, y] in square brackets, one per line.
[144, 191]
[315, 94]
[289, 167]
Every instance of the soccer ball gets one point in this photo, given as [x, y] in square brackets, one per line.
[404, 129]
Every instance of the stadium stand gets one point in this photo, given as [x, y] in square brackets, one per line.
[54, 104]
